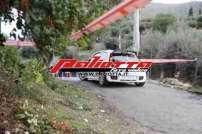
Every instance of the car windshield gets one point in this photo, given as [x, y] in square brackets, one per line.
[128, 56]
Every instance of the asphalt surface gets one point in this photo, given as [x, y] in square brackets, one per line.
[164, 110]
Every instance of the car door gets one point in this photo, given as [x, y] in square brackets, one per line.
[104, 56]
[93, 77]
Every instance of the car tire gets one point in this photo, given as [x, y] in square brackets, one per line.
[82, 77]
[102, 80]
[139, 84]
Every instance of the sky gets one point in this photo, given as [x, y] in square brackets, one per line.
[6, 28]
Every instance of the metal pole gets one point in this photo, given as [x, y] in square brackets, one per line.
[120, 45]
[136, 31]
[151, 56]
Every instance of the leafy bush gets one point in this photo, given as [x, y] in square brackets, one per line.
[162, 21]
[10, 59]
[52, 83]
[196, 23]
[20, 78]
[183, 42]
[34, 122]
[29, 52]
[199, 22]
[32, 73]
[2, 39]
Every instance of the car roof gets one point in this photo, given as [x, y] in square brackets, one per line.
[107, 51]
[117, 51]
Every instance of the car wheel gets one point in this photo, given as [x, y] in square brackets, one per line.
[102, 80]
[82, 77]
[139, 84]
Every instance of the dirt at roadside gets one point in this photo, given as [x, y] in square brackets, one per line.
[106, 118]
[7, 108]
[175, 83]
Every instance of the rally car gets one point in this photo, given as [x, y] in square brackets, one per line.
[136, 77]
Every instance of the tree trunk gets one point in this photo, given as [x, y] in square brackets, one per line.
[196, 72]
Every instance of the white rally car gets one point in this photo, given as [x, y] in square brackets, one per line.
[137, 77]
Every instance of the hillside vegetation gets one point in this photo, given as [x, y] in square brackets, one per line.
[179, 10]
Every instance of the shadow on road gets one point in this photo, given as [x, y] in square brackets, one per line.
[113, 85]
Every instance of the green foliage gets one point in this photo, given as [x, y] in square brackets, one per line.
[181, 43]
[199, 12]
[199, 23]
[190, 13]
[162, 21]
[83, 43]
[19, 76]
[52, 83]
[2, 39]
[122, 28]
[151, 44]
[49, 23]
[73, 97]
[10, 59]
[185, 38]
[32, 73]
[34, 122]
[196, 23]
[193, 24]
[29, 52]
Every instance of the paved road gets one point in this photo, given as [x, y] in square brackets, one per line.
[162, 109]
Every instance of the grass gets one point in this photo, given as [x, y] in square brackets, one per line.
[55, 104]
[196, 89]
[60, 101]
